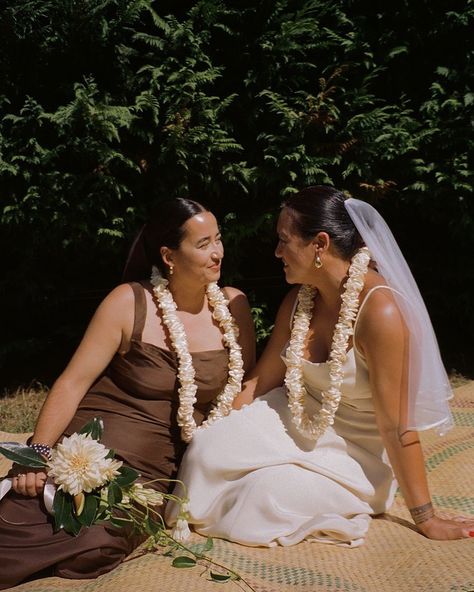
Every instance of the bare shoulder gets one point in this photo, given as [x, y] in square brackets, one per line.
[381, 303]
[121, 296]
[381, 318]
[117, 309]
[238, 303]
[230, 293]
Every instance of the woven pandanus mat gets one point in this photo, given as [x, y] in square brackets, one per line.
[394, 558]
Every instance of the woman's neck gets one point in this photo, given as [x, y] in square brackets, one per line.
[188, 298]
[330, 283]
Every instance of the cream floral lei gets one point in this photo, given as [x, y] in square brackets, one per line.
[314, 427]
[188, 388]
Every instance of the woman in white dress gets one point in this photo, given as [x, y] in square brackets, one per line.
[352, 370]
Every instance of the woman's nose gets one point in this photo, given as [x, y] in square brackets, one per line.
[278, 250]
[218, 252]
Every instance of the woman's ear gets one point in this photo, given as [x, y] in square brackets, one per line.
[167, 256]
[321, 242]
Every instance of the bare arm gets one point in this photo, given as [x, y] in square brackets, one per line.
[270, 369]
[383, 338]
[110, 327]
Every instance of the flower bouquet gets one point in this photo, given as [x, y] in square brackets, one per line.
[86, 485]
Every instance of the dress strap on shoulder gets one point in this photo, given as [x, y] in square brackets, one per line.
[140, 310]
[367, 296]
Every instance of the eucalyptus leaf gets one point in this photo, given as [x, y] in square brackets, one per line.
[183, 561]
[22, 455]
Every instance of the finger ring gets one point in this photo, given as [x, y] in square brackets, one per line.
[20, 475]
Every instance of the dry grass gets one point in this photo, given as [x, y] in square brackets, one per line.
[456, 379]
[19, 409]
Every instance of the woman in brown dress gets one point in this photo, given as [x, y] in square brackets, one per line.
[125, 370]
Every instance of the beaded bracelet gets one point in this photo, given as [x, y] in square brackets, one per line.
[42, 449]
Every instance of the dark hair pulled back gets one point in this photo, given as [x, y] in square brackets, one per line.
[164, 229]
[320, 208]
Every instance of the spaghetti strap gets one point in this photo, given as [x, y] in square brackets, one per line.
[362, 304]
[140, 310]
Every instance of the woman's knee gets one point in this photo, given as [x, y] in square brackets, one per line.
[99, 551]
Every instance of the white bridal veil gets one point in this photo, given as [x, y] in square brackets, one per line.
[428, 384]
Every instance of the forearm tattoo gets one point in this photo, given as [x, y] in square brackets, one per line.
[422, 513]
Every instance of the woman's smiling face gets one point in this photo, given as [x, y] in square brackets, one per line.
[198, 258]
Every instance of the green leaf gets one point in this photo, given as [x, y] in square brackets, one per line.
[119, 522]
[216, 577]
[93, 428]
[22, 455]
[63, 511]
[397, 51]
[200, 549]
[114, 493]
[183, 561]
[126, 476]
[89, 512]
[152, 527]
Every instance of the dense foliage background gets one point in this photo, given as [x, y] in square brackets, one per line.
[109, 106]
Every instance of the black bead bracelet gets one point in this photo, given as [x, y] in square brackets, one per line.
[42, 449]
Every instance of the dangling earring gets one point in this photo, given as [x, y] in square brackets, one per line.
[171, 270]
[317, 262]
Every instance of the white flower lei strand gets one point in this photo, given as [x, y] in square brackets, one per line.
[314, 427]
[188, 388]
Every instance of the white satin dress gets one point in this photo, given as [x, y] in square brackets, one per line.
[252, 478]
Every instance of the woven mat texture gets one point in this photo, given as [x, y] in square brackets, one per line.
[394, 558]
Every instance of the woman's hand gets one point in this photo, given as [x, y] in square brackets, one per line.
[27, 481]
[441, 529]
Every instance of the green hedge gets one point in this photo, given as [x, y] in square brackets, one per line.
[109, 106]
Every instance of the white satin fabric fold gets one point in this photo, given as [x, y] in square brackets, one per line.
[253, 479]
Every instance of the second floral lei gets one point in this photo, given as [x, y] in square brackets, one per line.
[314, 427]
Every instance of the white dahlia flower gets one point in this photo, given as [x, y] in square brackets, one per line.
[79, 464]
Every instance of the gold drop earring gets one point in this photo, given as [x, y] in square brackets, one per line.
[171, 268]
[317, 261]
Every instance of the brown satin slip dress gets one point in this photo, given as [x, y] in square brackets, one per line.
[137, 399]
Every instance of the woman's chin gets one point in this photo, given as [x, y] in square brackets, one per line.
[213, 276]
[289, 277]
